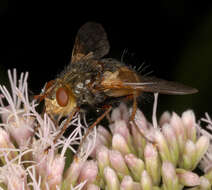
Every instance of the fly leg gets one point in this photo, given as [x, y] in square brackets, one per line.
[66, 123]
[132, 117]
[108, 109]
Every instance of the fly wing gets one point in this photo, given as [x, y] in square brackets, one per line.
[153, 84]
[92, 40]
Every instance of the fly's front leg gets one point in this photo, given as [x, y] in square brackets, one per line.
[99, 119]
[66, 123]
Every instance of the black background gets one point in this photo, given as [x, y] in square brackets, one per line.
[173, 37]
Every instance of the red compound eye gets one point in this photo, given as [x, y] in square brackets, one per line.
[62, 96]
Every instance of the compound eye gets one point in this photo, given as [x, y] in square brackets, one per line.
[62, 96]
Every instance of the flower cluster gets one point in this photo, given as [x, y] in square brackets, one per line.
[131, 155]
[141, 156]
[30, 159]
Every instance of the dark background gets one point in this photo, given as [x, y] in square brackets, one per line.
[173, 37]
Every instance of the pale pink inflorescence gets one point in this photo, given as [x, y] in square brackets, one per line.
[161, 154]
[146, 157]
[30, 159]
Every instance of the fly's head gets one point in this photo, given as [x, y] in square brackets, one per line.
[59, 99]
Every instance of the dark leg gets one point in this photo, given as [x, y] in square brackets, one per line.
[66, 124]
[108, 109]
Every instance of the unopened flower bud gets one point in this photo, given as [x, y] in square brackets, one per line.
[72, 173]
[169, 176]
[116, 114]
[187, 178]
[171, 139]
[103, 158]
[120, 127]
[189, 156]
[140, 121]
[165, 118]
[152, 163]
[127, 183]
[202, 145]
[118, 164]
[111, 179]
[120, 113]
[120, 144]
[139, 141]
[146, 181]
[124, 112]
[135, 165]
[104, 132]
[88, 172]
[179, 129]
[99, 142]
[208, 175]
[205, 183]
[162, 146]
[189, 122]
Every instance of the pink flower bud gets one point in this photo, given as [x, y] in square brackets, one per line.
[202, 145]
[118, 164]
[146, 182]
[111, 179]
[88, 172]
[169, 176]
[104, 132]
[120, 127]
[116, 114]
[99, 142]
[152, 163]
[120, 113]
[124, 112]
[135, 165]
[162, 146]
[141, 121]
[205, 183]
[188, 178]
[165, 118]
[72, 174]
[127, 183]
[120, 144]
[54, 171]
[171, 139]
[189, 156]
[179, 129]
[189, 122]
[139, 141]
[103, 158]
[208, 175]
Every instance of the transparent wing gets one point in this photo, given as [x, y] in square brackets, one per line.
[153, 84]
